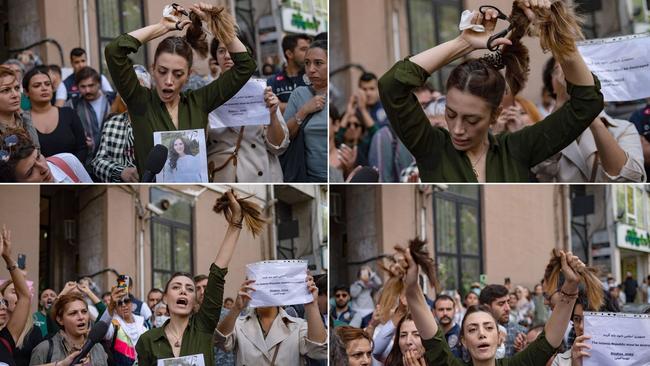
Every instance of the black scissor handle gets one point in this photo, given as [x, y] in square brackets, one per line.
[183, 11]
[501, 15]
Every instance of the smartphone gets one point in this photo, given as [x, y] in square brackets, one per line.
[123, 282]
[22, 261]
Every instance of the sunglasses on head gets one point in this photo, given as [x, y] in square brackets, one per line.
[9, 142]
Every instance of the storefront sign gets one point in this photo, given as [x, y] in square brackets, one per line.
[629, 237]
[296, 21]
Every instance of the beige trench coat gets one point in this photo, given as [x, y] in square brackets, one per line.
[257, 159]
[287, 333]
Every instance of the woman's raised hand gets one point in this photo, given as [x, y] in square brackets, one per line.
[479, 40]
[5, 243]
[173, 20]
[244, 295]
[200, 10]
[579, 350]
[571, 267]
[271, 100]
[528, 6]
[235, 208]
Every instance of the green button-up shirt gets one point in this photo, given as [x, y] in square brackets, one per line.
[437, 352]
[510, 155]
[197, 338]
[149, 114]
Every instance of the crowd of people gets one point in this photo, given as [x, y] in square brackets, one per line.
[407, 327]
[483, 129]
[190, 316]
[86, 128]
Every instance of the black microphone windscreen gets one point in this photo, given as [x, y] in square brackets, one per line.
[98, 331]
[365, 175]
[156, 159]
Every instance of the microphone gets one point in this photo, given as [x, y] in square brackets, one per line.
[365, 175]
[97, 333]
[155, 162]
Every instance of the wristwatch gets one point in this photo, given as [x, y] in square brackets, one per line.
[299, 120]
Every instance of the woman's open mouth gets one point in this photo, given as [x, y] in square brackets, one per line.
[182, 302]
[484, 347]
[167, 93]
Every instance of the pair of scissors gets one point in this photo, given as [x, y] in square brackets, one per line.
[483, 9]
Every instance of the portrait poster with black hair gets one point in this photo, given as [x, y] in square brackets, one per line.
[191, 360]
[187, 160]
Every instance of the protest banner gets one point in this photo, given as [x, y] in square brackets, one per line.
[617, 339]
[246, 108]
[622, 64]
[278, 283]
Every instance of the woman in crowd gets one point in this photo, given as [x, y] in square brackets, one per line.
[59, 129]
[608, 151]
[24, 162]
[182, 165]
[247, 153]
[14, 318]
[70, 312]
[579, 350]
[479, 331]
[125, 327]
[307, 105]
[285, 338]
[10, 117]
[167, 108]
[409, 350]
[31, 335]
[468, 152]
[351, 347]
[188, 333]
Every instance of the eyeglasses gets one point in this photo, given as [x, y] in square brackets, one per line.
[9, 142]
[4, 302]
[126, 301]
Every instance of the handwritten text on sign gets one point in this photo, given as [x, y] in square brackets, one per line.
[618, 339]
[246, 108]
[622, 64]
[279, 283]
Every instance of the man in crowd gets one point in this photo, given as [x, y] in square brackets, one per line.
[92, 107]
[44, 304]
[341, 313]
[631, 286]
[78, 60]
[369, 86]
[444, 309]
[496, 298]
[154, 296]
[294, 47]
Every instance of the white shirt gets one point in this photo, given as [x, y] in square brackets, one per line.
[99, 105]
[106, 86]
[61, 92]
[75, 165]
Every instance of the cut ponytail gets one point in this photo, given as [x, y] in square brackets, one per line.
[588, 276]
[559, 28]
[251, 213]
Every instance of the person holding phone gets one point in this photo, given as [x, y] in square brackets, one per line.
[13, 321]
[307, 104]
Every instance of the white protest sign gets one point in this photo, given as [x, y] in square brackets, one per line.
[192, 360]
[246, 108]
[617, 339]
[622, 64]
[278, 283]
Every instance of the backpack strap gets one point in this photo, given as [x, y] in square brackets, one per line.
[50, 350]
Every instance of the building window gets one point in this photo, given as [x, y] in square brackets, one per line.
[171, 236]
[458, 244]
[632, 203]
[432, 22]
[115, 17]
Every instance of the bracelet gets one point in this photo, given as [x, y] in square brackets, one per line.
[12, 267]
[575, 295]
[299, 120]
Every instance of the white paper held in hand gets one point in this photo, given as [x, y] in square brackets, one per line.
[278, 283]
[246, 108]
[617, 339]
